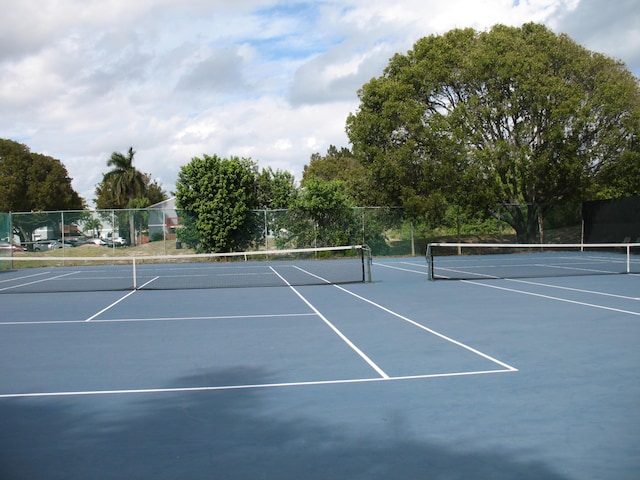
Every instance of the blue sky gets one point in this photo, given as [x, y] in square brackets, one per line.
[270, 80]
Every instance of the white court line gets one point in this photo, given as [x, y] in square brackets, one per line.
[216, 317]
[549, 297]
[416, 324]
[23, 277]
[118, 301]
[480, 276]
[574, 269]
[332, 326]
[110, 306]
[246, 387]
[399, 268]
[465, 272]
[161, 319]
[560, 287]
[382, 378]
[433, 332]
[38, 281]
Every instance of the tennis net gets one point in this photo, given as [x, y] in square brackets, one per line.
[466, 261]
[311, 266]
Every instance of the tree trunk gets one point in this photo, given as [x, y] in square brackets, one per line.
[524, 220]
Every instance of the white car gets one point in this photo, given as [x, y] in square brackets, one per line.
[119, 241]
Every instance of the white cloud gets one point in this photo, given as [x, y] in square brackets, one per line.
[338, 74]
[601, 28]
[269, 79]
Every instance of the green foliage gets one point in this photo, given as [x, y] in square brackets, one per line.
[374, 225]
[341, 165]
[275, 189]
[458, 221]
[514, 116]
[124, 186]
[33, 182]
[154, 191]
[218, 195]
[618, 179]
[122, 183]
[188, 233]
[319, 216]
[93, 226]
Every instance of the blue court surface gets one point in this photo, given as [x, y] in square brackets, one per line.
[401, 378]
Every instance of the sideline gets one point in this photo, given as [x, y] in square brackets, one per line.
[550, 297]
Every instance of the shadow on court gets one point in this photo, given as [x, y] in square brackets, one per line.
[220, 435]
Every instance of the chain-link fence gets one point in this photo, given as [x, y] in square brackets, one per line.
[167, 230]
[6, 240]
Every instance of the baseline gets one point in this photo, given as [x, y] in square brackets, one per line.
[246, 387]
[161, 319]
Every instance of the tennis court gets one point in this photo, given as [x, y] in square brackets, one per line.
[400, 377]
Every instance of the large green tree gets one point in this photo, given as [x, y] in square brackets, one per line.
[515, 116]
[319, 216]
[33, 182]
[216, 195]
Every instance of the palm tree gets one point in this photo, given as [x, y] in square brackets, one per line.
[126, 181]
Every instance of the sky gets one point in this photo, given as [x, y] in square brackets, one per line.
[270, 80]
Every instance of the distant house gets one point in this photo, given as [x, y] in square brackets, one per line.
[163, 220]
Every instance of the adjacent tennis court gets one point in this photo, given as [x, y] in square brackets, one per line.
[397, 377]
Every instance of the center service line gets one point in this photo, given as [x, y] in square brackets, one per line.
[109, 306]
[334, 328]
[118, 301]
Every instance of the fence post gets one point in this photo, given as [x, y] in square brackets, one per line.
[62, 236]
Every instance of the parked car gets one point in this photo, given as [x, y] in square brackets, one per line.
[8, 246]
[42, 245]
[97, 241]
[62, 244]
[116, 242]
[77, 241]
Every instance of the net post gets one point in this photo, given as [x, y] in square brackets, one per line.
[628, 258]
[365, 253]
[429, 256]
[133, 263]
